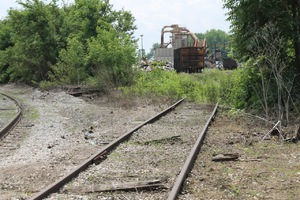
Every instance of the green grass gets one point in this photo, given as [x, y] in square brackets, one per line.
[32, 114]
[211, 86]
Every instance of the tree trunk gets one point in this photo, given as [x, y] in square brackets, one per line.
[296, 16]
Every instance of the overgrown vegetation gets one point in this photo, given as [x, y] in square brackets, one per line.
[210, 86]
[268, 78]
[265, 37]
[87, 42]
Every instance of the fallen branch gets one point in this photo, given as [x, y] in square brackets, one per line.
[129, 186]
[7, 109]
[250, 160]
[225, 157]
[270, 131]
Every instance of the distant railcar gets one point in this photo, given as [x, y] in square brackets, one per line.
[229, 63]
[189, 59]
[186, 53]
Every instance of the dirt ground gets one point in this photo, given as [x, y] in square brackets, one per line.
[54, 121]
[267, 167]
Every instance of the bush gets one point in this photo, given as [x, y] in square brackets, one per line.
[211, 86]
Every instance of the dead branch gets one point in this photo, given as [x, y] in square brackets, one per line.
[250, 160]
[225, 157]
[270, 131]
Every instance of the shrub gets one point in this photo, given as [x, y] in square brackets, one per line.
[209, 87]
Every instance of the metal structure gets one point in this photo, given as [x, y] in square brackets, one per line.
[179, 37]
[185, 51]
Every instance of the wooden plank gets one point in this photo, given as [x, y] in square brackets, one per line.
[125, 186]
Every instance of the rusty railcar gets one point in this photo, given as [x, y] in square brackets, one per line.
[185, 51]
[189, 59]
[229, 63]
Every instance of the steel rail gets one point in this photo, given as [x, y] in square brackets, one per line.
[4, 131]
[98, 156]
[191, 158]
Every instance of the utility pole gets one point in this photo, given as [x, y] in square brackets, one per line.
[142, 46]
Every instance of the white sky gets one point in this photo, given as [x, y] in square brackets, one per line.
[151, 15]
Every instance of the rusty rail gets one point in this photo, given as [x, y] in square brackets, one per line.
[191, 158]
[98, 156]
[14, 121]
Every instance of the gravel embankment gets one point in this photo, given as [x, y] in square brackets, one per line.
[59, 132]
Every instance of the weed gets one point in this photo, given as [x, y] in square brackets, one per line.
[32, 115]
[208, 87]
[235, 190]
[114, 154]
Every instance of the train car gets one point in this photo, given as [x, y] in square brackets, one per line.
[189, 59]
[229, 63]
[185, 51]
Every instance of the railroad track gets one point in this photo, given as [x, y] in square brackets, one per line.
[167, 144]
[10, 115]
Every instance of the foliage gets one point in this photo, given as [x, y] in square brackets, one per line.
[111, 56]
[267, 81]
[157, 63]
[216, 39]
[151, 54]
[107, 49]
[248, 17]
[71, 68]
[5, 42]
[210, 86]
[5, 35]
[266, 35]
[33, 41]
[70, 45]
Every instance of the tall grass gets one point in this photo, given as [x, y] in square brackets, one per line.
[211, 86]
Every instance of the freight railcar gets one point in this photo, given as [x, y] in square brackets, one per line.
[189, 59]
[185, 51]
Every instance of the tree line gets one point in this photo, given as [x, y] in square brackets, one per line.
[84, 42]
[265, 36]
[88, 42]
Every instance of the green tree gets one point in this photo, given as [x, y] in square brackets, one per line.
[216, 39]
[33, 41]
[81, 19]
[266, 33]
[111, 56]
[248, 17]
[152, 51]
[107, 47]
[5, 35]
[5, 42]
[71, 68]
[71, 44]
